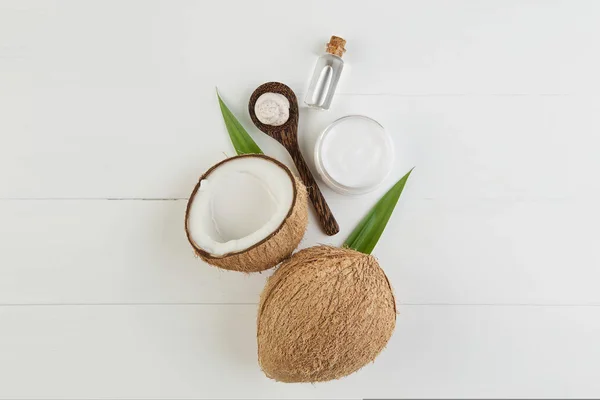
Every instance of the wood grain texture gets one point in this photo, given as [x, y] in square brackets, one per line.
[287, 135]
[209, 352]
[496, 102]
[155, 143]
[130, 251]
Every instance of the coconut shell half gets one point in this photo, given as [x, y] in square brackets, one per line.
[277, 244]
[324, 314]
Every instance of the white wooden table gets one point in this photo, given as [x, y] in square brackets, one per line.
[108, 115]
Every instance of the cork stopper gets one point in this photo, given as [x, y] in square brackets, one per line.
[336, 46]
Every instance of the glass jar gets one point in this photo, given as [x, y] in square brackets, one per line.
[354, 155]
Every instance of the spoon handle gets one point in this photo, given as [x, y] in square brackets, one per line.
[328, 222]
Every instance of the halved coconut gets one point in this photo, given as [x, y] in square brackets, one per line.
[247, 213]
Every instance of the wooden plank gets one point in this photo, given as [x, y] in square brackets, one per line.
[496, 104]
[499, 252]
[128, 352]
[108, 143]
[401, 47]
[107, 251]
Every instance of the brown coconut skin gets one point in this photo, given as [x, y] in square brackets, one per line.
[324, 314]
[273, 249]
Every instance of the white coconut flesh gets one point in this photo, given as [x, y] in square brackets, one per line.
[239, 204]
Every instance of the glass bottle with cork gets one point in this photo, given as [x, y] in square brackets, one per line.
[326, 76]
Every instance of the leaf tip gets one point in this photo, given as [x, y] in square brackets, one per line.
[405, 177]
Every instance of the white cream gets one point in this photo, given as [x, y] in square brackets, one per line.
[354, 155]
[272, 109]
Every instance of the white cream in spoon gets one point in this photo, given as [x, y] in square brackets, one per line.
[272, 109]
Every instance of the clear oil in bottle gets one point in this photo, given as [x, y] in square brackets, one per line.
[326, 75]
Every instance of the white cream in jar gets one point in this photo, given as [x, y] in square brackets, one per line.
[354, 155]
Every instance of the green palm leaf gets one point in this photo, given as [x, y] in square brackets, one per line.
[365, 236]
[242, 142]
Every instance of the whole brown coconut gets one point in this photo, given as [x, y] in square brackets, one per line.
[277, 245]
[324, 314]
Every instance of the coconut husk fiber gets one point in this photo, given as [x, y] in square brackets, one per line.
[324, 314]
[273, 249]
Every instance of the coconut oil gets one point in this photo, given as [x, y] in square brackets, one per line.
[354, 155]
[326, 75]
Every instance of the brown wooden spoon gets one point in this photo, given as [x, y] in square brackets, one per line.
[287, 135]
